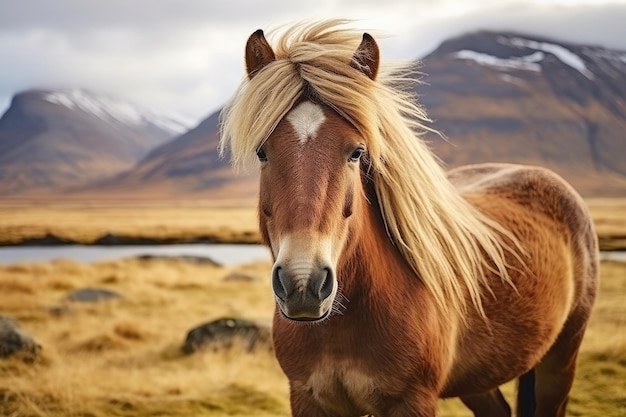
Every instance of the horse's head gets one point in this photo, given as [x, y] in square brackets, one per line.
[310, 190]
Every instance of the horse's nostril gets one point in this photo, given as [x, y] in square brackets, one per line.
[326, 289]
[278, 284]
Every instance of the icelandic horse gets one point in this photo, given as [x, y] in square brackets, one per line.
[395, 283]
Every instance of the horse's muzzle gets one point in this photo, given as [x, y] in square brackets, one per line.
[304, 295]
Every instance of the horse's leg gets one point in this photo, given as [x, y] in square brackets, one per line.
[526, 400]
[554, 375]
[488, 404]
[553, 381]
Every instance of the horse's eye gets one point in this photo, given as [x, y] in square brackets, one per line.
[260, 153]
[356, 155]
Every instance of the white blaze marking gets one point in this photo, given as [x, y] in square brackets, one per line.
[306, 120]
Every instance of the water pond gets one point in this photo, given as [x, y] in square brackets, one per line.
[223, 254]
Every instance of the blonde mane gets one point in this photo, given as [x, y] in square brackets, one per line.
[446, 241]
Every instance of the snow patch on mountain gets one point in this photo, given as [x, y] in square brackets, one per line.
[113, 110]
[563, 54]
[606, 54]
[513, 80]
[528, 62]
[611, 62]
[532, 62]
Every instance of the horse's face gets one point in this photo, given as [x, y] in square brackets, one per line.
[310, 184]
[310, 191]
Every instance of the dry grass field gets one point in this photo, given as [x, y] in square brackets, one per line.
[195, 221]
[163, 224]
[123, 357]
[609, 216]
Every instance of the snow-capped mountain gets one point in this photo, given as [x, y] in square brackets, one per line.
[532, 61]
[518, 98]
[190, 165]
[113, 110]
[507, 53]
[55, 139]
[496, 96]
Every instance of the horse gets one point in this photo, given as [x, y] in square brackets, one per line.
[398, 283]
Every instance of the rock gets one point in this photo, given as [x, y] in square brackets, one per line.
[200, 260]
[93, 295]
[240, 277]
[225, 333]
[14, 341]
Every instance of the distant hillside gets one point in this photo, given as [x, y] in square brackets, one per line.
[189, 165]
[54, 139]
[508, 97]
[496, 97]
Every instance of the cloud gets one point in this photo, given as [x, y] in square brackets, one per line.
[599, 24]
[186, 56]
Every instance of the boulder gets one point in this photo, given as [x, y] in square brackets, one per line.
[199, 260]
[93, 295]
[225, 333]
[14, 341]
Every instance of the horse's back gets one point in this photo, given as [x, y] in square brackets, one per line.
[557, 284]
[520, 196]
[529, 189]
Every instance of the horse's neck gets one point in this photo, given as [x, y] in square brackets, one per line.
[374, 267]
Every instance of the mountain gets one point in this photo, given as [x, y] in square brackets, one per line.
[495, 96]
[190, 165]
[517, 98]
[54, 139]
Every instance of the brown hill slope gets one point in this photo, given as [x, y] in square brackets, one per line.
[506, 97]
[189, 166]
[496, 96]
[54, 139]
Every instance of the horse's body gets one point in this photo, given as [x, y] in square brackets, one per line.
[360, 327]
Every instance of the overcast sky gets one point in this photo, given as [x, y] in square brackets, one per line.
[185, 56]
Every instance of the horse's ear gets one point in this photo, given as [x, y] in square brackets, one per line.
[367, 57]
[258, 53]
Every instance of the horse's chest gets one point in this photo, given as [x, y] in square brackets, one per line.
[344, 388]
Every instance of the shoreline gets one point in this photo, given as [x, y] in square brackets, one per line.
[182, 223]
[610, 243]
[115, 239]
